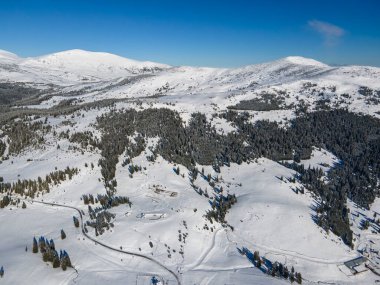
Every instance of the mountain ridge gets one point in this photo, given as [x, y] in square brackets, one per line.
[294, 59]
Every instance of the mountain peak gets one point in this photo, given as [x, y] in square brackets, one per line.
[304, 61]
[8, 55]
[99, 57]
[96, 64]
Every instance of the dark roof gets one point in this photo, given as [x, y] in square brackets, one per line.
[355, 262]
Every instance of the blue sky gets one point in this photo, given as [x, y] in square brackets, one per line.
[201, 33]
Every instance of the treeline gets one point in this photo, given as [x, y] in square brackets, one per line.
[220, 205]
[13, 92]
[353, 138]
[30, 188]
[266, 102]
[106, 201]
[331, 209]
[23, 133]
[100, 217]
[85, 139]
[198, 142]
[100, 220]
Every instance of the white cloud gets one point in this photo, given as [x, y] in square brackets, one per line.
[329, 32]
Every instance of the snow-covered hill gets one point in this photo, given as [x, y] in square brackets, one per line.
[77, 65]
[8, 56]
[96, 64]
[165, 233]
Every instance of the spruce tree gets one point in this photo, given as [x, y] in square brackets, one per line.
[67, 258]
[51, 244]
[256, 256]
[299, 278]
[76, 222]
[42, 244]
[291, 277]
[63, 234]
[286, 273]
[65, 261]
[45, 256]
[56, 262]
[63, 265]
[35, 246]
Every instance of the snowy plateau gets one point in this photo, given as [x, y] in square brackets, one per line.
[145, 173]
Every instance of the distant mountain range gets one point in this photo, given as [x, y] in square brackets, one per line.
[91, 76]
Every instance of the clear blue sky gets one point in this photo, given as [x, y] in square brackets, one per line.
[202, 33]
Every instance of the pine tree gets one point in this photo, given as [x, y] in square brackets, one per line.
[42, 244]
[63, 234]
[286, 273]
[1, 271]
[35, 246]
[299, 278]
[51, 244]
[67, 258]
[63, 265]
[291, 277]
[56, 262]
[76, 222]
[23, 205]
[256, 256]
[45, 256]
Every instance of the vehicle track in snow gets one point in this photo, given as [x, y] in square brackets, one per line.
[232, 237]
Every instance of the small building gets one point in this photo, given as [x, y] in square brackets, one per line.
[357, 265]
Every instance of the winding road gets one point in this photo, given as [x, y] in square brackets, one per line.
[103, 244]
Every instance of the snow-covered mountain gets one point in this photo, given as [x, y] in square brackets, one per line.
[75, 69]
[80, 131]
[77, 65]
[94, 64]
[8, 56]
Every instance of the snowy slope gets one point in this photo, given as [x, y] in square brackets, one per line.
[269, 215]
[96, 64]
[8, 56]
[69, 67]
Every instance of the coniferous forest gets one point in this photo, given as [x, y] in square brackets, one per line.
[353, 138]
